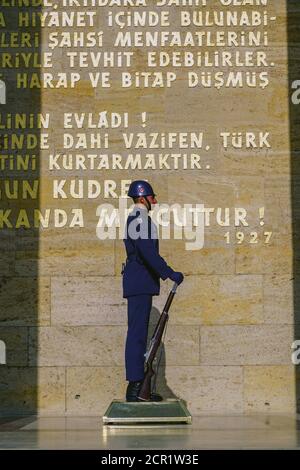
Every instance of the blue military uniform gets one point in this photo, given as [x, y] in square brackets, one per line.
[141, 280]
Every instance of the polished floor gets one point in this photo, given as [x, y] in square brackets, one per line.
[205, 432]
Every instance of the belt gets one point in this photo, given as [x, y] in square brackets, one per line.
[129, 260]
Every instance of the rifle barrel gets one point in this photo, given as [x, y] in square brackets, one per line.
[145, 391]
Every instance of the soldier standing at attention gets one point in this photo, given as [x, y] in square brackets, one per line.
[141, 274]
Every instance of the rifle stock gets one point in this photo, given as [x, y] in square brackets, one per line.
[145, 391]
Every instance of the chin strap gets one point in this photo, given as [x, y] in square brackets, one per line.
[148, 203]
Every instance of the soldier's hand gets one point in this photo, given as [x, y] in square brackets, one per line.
[177, 277]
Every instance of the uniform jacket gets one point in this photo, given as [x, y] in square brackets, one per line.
[144, 266]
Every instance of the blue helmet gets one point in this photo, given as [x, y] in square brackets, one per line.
[140, 188]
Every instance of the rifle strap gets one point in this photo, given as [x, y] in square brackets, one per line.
[160, 356]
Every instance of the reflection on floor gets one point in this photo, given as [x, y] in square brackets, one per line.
[206, 432]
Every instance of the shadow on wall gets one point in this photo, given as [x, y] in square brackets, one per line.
[19, 181]
[159, 380]
[293, 13]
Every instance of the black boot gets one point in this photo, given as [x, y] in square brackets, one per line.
[132, 391]
[156, 397]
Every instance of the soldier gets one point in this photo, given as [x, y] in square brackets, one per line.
[144, 267]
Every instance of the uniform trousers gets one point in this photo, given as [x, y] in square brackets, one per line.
[138, 312]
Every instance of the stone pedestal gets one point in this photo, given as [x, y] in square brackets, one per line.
[168, 411]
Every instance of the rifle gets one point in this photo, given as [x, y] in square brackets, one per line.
[145, 391]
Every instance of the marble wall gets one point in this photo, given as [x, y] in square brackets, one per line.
[228, 343]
